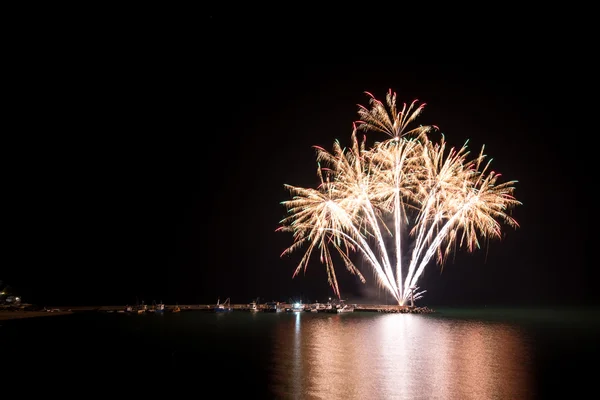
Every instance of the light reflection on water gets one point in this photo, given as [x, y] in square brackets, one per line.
[451, 354]
[398, 356]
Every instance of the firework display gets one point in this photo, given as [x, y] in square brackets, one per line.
[402, 204]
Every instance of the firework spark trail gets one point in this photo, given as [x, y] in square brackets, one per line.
[397, 227]
[442, 177]
[355, 185]
[344, 219]
[467, 214]
[310, 210]
[394, 183]
[471, 211]
[443, 200]
[363, 246]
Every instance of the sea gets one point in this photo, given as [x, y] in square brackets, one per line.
[454, 353]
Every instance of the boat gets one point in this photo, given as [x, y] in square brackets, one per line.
[296, 307]
[253, 307]
[272, 306]
[329, 308]
[223, 307]
[344, 308]
[159, 308]
[140, 309]
[176, 309]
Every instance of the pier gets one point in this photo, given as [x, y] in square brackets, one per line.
[26, 312]
[386, 308]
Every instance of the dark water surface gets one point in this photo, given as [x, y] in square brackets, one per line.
[452, 354]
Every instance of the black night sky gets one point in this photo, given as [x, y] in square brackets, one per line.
[156, 169]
